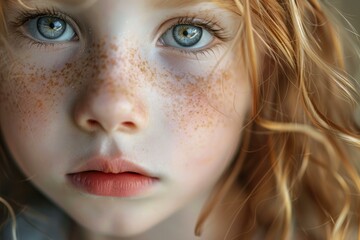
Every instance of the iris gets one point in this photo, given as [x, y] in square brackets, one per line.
[51, 27]
[187, 35]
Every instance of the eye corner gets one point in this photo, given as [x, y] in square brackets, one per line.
[159, 40]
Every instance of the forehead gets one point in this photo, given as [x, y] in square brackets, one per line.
[176, 3]
[153, 3]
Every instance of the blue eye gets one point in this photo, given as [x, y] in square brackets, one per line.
[187, 36]
[49, 28]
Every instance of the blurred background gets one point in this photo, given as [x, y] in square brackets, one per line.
[350, 9]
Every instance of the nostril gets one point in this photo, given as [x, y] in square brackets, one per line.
[128, 124]
[93, 123]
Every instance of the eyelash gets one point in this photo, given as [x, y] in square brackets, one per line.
[25, 16]
[209, 24]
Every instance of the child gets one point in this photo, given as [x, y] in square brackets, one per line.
[149, 119]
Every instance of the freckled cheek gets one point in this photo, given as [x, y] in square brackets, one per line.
[206, 115]
[29, 95]
[210, 103]
[191, 113]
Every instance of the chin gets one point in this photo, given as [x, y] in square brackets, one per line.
[124, 231]
[118, 227]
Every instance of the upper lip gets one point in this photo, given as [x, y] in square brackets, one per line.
[111, 165]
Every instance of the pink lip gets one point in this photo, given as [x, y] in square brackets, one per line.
[112, 177]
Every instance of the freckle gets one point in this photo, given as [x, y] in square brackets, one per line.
[114, 47]
[112, 62]
[39, 104]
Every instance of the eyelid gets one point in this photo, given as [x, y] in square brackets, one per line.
[194, 54]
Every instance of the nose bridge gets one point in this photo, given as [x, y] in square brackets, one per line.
[109, 59]
[114, 73]
[112, 100]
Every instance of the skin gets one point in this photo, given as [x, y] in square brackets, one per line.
[117, 91]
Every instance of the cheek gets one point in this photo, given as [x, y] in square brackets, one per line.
[30, 93]
[194, 97]
[205, 113]
[208, 102]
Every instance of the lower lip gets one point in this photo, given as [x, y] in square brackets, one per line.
[111, 184]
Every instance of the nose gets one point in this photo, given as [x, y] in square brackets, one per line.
[103, 111]
[111, 99]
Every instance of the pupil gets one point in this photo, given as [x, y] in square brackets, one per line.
[56, 26]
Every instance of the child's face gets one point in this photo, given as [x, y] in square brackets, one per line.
[117, 81]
